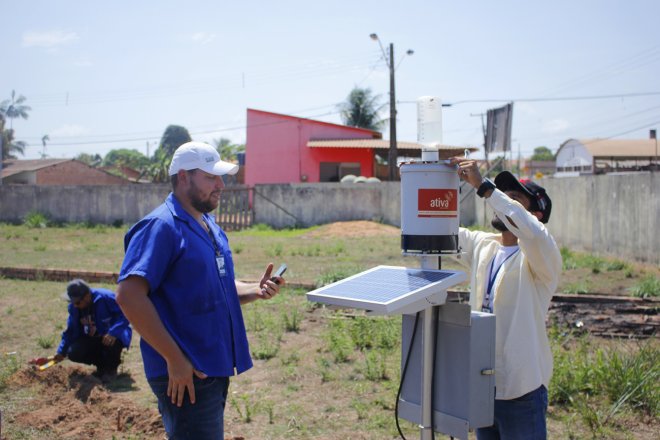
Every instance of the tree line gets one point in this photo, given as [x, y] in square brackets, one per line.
[154, 168]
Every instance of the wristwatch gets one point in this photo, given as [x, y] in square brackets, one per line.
[485, 186]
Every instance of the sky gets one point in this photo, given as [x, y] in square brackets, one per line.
[100, 76]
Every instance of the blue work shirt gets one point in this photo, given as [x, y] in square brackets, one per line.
[192, 286]
[106, 317]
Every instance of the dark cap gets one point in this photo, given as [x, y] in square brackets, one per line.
[539, 200]
[77, 289]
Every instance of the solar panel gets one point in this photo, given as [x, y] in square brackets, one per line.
[389, 289]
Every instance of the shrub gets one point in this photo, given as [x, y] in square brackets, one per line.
[35, 219]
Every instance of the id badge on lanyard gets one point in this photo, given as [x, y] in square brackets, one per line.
[220, 262]
[219, 257]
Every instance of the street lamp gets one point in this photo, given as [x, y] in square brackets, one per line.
[389, 60]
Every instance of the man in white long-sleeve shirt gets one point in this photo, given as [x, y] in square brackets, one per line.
[514, 275]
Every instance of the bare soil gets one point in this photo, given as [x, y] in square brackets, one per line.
[359, 228]
[76, 405]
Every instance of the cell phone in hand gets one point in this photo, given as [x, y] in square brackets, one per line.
[279, 272]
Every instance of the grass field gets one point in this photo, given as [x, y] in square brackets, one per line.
[319, 374]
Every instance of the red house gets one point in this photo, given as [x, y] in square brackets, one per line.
[290, 149]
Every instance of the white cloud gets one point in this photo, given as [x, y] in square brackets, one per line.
[555, 126]
[524, 107]
[83, 63]
[68, 130]
[202, 37]
[48, 39]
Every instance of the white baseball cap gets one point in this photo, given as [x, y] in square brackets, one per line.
[200, 155]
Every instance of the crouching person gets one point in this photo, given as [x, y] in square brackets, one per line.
[96, 330]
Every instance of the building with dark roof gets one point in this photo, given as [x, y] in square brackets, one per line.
[56, 172]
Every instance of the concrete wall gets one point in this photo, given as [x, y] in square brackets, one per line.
[97, 204]
[313, 204]
[308, 204]
[616, 215]
[605, 214]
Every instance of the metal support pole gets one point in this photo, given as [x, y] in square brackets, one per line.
[428, 359]
[391, 155]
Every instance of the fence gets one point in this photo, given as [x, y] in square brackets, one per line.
[234, 211]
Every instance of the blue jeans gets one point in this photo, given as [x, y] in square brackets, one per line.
[202, 420]
[519, 419]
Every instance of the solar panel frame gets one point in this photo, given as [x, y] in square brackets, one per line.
[396, 288]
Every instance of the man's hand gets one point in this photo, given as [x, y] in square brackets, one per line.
[468, 170]
[58, 357]
[180, 373]
[269, 286]
[108, 340]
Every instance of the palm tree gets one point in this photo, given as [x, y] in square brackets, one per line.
[9, 144]
[361, 109]
[14, 108]
[44, 139]
[227, 150]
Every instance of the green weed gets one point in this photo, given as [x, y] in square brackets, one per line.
[244, 407]
[46, 341]
[292, 322]
[361, 409]
[8, 366]
[266, 347]
[579, 288]
[275, 250]
[339, 342]
[325, 370]
[648, 287]
[376, 366]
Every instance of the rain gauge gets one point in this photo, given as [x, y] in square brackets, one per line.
[447, 350]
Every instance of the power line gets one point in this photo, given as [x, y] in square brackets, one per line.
[562, 98]
[218, 130]
[645, 57]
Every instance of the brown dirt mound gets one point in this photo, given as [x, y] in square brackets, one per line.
[77, 405]
[360, 228]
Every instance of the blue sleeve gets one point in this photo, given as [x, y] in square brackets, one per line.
[119, 327]
[150, 249]
[71, 333]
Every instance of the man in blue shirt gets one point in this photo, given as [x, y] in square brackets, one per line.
[177, 287]
[96, 330]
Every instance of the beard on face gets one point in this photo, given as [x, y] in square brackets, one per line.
[201, 205]
[498, 224]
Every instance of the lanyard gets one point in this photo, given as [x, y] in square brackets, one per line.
[219, 258]
[485, 306]
[216, 248]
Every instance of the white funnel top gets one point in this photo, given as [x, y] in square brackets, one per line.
[429, 120]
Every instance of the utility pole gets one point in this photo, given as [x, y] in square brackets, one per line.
[392, 152]
[653, 135]
[391, 156]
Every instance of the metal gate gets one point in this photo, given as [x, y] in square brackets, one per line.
[235, 211]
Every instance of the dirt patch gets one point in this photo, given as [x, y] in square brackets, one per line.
[360, 228]
[76, 405]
